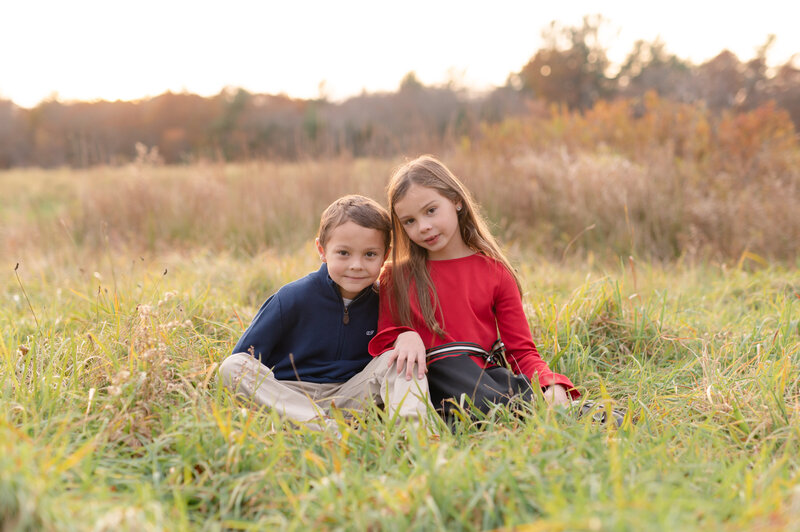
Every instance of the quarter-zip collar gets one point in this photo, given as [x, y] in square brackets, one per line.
[346, 319]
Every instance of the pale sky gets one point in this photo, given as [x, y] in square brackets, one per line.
[115, 49]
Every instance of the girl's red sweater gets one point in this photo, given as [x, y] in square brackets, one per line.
[478, 297]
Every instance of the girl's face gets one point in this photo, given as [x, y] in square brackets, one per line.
[431, 221]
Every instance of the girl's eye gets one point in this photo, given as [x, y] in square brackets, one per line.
[343, 253]
[431, 210]
[371, 254]
[408, 222]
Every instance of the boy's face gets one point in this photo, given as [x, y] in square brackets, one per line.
[354, 255]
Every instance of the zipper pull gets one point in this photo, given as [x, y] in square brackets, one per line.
[346, 318]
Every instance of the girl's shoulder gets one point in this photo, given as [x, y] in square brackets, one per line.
[390, 271]
[386, 273]
[490, 266]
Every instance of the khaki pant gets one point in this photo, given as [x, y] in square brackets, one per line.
[304, 401]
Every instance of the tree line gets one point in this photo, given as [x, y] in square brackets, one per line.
[570, 71]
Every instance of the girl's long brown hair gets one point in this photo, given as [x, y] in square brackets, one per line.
[409, 260]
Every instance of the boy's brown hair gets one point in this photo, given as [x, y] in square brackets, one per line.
[357, 209]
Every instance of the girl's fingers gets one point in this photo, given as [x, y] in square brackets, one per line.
[410, 367]
[401, 360]
[406, 361]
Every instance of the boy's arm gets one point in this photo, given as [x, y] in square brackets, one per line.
[264, 331]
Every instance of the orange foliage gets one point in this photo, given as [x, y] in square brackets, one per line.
[654, 175]
[763, 139]
[755, 140]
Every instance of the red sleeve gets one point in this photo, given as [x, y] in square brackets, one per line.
[388, 328]
[516, 335]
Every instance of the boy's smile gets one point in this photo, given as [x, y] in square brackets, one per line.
[354, 255]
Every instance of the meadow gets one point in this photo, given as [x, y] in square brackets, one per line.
[123, 288]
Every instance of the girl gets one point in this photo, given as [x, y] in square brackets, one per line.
[451, 290]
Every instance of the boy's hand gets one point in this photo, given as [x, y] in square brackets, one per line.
[409, 350]
[556, 394]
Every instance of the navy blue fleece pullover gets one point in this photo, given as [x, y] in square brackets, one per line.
[303, 331]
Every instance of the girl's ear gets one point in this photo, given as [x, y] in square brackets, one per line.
[458, 206]
[321, 251]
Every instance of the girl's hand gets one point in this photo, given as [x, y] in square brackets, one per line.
[556, 394]
[409, 350]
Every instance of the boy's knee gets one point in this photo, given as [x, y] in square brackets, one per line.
[381, 363]
[233, 366]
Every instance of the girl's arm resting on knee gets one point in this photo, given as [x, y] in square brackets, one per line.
[406, 345]
[403, 345]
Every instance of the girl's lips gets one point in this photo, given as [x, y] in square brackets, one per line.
[432, 240]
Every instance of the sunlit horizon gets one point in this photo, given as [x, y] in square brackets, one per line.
[91, 50]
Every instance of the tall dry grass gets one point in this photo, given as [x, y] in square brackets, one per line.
[242, 209]
[652, 179]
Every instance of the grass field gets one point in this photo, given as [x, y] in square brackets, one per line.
[131, 288]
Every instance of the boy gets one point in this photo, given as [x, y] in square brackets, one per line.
[307, 347]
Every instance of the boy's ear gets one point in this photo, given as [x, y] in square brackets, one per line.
[321, 251]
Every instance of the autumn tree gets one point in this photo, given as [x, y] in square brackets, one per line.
[15, 139]
[571, 66]
[784, 88]
[650, 67]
